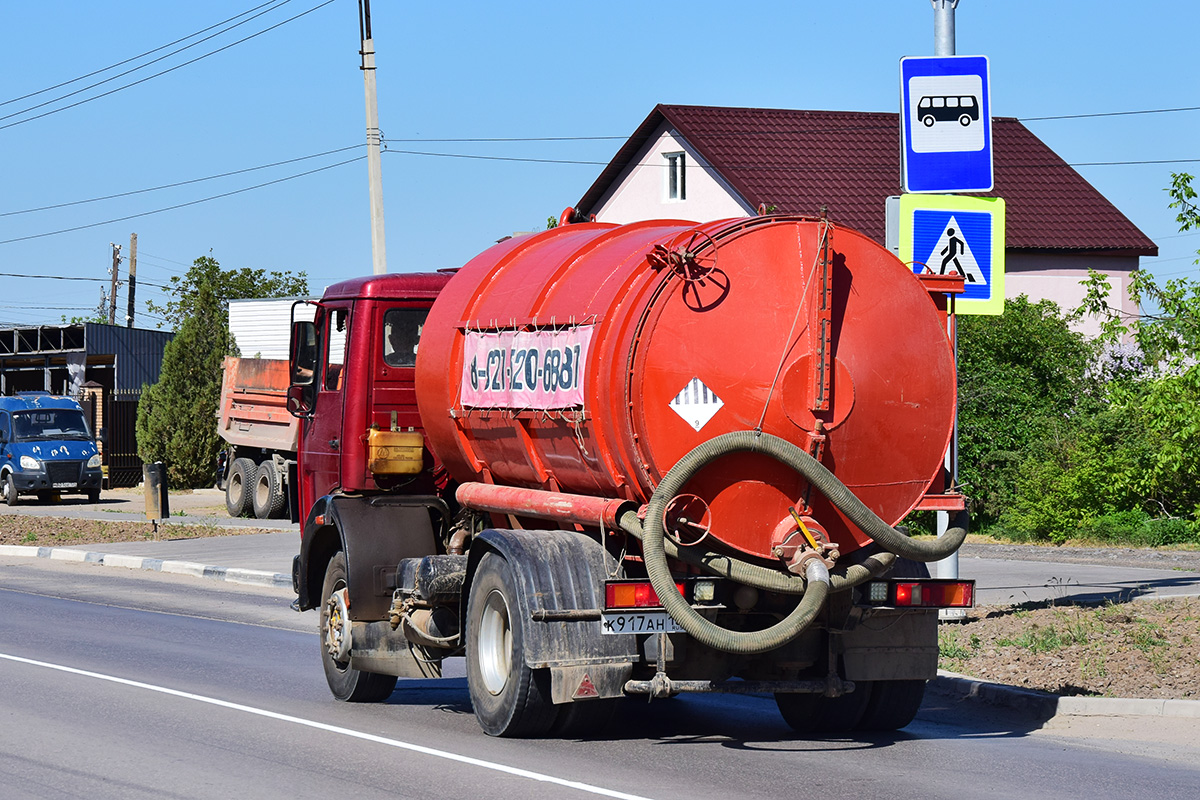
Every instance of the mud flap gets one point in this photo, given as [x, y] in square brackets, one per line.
[561, 575]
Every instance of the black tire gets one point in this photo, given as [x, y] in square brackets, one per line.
[47, 496]
[892, 706]
[10, 489]
[347, 684]
[239, 487]
[267, 497]
[584, 719]
[93, 495]
[508, 697]
[814, 713]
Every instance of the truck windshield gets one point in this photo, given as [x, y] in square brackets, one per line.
[49, 423]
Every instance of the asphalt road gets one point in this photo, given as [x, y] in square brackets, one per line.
[130, 684]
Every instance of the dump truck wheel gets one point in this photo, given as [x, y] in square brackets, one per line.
[508, 697]
[346, 683]
[268, 492]
[238, 488]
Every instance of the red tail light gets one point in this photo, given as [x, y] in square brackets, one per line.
[934, 594]
[632, 594]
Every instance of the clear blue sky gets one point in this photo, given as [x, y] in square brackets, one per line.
[492, 71]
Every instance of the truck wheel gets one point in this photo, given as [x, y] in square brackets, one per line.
[584, 718]
[267, 497]
[814, 713]
[347, 684]
[10, 489]
[893, 705]
[239, 487]
[509, 698]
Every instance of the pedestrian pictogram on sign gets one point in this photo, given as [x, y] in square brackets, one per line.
[953, 254]
[945, 234]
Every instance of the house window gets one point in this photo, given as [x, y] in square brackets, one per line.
[676, 176]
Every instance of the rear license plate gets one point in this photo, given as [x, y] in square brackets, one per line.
[67, 485]
[613, 622]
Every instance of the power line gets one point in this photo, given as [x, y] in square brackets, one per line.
[182, 205]
[759, 167]
[133, 58]
[1111, 114]
[179, 183]
[70, 278]
[157, 74]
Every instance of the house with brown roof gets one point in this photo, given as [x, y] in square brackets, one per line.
[703, 163]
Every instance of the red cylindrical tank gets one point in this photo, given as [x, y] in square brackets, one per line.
[646, 340]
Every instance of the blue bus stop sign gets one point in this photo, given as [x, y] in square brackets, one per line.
[946, 124]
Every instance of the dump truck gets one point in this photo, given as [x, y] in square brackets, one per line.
[604, 461]
[260, 437]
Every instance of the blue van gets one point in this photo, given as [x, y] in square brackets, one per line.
[46, 448]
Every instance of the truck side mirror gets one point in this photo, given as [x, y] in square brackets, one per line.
[300, 400]
[303, 353]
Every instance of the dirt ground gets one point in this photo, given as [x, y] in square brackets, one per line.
[1139, 649]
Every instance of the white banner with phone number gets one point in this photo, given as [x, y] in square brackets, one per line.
[525, 369]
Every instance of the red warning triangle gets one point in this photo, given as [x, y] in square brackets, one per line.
[586, 688]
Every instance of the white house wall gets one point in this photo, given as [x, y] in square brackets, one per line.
[640, 192]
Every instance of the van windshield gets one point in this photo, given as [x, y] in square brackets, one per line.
[49, 423]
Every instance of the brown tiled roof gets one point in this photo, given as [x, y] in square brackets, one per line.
[850, 161]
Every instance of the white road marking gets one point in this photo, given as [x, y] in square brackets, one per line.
[416, 748]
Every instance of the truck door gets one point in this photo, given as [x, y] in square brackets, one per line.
[321, 445]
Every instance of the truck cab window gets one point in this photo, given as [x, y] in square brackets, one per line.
[401, 332]
[336, 352]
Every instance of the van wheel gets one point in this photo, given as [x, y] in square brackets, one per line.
[508, 697]
[10, 489]
[239, 487]
[93, 495]
[347, 684]
[48, 496]
[268, 492]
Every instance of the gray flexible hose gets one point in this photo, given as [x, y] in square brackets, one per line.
[845, 576]
[742, 642]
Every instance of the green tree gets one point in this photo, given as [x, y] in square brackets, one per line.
[1022, 377]
[176, 420]
[224, 285]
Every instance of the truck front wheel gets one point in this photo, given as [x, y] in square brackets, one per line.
[509, 698]
[347, 684]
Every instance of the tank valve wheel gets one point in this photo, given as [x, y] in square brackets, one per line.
[692, 255]
[687, 520]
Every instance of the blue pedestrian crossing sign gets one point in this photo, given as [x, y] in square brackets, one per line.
[945, 234]
[946, 124]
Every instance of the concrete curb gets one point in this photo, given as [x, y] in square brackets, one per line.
[251, 577]
[1044, 706]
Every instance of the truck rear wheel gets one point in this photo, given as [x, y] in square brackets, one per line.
[239, 487]
[508, 697]
[347, 684]
[814, 713]
[893, 705]
[268, 492]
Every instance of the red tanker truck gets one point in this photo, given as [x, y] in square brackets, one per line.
[644, 459]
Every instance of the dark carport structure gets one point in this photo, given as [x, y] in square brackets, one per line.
[102, 366]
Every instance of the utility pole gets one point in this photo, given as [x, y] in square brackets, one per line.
[374, 139]
[112, 297]
[943, 26]
[132, 279]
